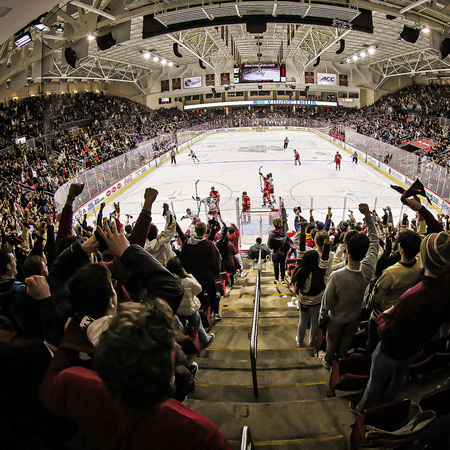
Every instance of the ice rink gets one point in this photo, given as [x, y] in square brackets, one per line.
[229, 161]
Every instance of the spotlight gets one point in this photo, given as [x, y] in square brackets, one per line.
[363, 54]
[349, 60]
[371, 50]
[163, 62]
[23, 39]
[146, 55]
[155, 58]
[355, 57]
[426, 30]
[91, 37]
[170, 63]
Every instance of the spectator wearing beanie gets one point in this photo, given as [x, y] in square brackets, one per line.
[405, 328]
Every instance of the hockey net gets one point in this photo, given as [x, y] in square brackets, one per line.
[256, 223]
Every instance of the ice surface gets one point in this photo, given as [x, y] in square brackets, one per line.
[229, 161]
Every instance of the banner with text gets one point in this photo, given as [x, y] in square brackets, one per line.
[329, 79]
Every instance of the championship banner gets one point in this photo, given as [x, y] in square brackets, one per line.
[224, 78]
[309, 77]
[329, 79]
[209, 79]
[176, 83]
[165, 85]
[343, 80]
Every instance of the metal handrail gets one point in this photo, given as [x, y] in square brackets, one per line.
[246, 439]
[254, 333]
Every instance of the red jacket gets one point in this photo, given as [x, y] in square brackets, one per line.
[80, 395]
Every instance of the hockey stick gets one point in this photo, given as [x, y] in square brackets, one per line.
[196, 191]
[260, 180]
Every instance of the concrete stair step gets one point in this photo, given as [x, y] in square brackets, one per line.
[327, 443]
[274, 385]
[244, 394]
[264, 321]
[278, 301]
[295, 356]
[230, 314]
[319, 420]
[237, 338]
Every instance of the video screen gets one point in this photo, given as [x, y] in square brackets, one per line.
[252, 73]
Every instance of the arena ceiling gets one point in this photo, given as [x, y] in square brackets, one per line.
[291, 36]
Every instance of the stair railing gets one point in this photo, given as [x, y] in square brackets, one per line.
[246, 439]
[254, 332]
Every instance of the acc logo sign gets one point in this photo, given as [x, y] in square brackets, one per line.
[327, 78]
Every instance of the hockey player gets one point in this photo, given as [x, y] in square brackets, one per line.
[193, 155]
[286, 142]
[271, 187]
[192, 216]
[337, 160]
[245, 207]
[297, 158]
[215, 197]
[355, 157]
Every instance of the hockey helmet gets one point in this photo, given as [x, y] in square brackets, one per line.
[213, 188]
[244, 193]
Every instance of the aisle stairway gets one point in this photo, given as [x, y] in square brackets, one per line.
[292, 410]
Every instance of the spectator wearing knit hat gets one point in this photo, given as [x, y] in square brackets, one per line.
[405, 328]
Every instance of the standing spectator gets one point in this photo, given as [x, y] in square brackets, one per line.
[309, 281]
[407, 327]
[158, 245]
[190, 304]
[394, 281]
[344, 295]
[280, 244]
[127, 401]
[201, 258]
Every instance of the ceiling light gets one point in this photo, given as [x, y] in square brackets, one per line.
[163, 62]
[41, 27]
[426, 30]
[23, 39]
[363, 54]
[349, 60]
[155, 58]
[146, 55]
[170, 63]
[355, 57]
[371, 50]
[91, 37]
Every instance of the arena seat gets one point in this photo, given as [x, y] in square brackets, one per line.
[390, 418]
[350, 374]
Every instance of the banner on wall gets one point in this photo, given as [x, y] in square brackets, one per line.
[343, 80]
[165, 85]
[329, 79]
[176, 83]
[192, 82]
[210, 80]
[224, 78]
[309, 77]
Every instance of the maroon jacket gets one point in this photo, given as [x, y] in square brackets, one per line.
[407, 327]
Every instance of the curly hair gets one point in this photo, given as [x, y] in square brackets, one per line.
[135, 355]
